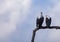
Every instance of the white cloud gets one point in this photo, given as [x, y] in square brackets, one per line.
[12, 11]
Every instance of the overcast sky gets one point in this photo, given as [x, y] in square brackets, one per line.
[18, 17]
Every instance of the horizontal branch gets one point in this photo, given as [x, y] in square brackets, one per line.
[51, 27]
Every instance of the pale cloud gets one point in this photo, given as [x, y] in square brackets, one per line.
[16, 11]
[54, 36]
[54, 1]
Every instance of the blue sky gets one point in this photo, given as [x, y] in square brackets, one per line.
[18, 20]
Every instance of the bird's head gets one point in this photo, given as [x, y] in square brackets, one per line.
[48, 17]
[41, 14]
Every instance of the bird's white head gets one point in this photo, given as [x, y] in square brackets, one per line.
[48, 17]
[41, 14]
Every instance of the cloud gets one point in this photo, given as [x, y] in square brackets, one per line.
[54, 36]
[12, 12]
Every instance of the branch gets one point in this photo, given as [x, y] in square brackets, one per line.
[33, 36]
[51, 27]
[43, 27]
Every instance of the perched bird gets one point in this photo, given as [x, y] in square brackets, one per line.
[48, 21]
[39, 21]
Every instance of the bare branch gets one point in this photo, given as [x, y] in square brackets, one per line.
[51, 27]
[43, 27]
[33, 36]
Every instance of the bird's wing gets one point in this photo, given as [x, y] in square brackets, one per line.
[50, 20]
[37, 20]
[41, 20]
[47, 20]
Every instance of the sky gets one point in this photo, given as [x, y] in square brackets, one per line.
[18, 20]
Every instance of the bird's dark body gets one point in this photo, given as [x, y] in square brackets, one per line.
[48, 22]
[39, 22]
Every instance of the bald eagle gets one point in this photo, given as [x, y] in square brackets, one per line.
[48, 21]
[39, 21]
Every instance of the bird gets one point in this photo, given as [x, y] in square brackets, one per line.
[48, 21]
[39, 21]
